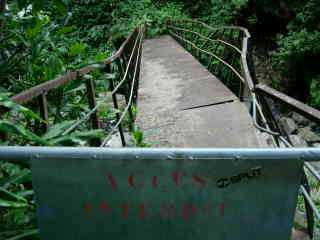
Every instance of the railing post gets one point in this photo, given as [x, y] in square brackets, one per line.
[309, 211]
[241, 91]
[43, 106]
[94, 118]
[127, 95]
[115, 104]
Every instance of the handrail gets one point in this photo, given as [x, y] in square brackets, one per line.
[208, 39]
[246, 77]
[35, 91]
[114, 91]
[255, 90]
[213, 55]
[23, 155]
[261, 113]
[139, 47]
[120, 57]
[213, 28]
[296, 105]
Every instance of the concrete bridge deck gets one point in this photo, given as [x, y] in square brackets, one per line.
[181, 104]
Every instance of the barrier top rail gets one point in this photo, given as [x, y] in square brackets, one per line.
[23, 155]
[199, 193]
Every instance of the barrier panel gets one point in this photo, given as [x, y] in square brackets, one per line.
[95, 193]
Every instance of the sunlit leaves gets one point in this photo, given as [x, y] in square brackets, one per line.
[77, 49]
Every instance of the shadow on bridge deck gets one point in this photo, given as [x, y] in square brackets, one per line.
[181, 104]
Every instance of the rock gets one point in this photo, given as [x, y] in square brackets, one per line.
[313, 126]
[299, 235]
[288, 125]
[115, 141]
[299, 119]
[265, 139]
[316, 145]
[307, 134]
[297, 141]
[300, 219]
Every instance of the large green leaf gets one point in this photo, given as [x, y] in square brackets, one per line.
[6, 101]
[23, 234]
[12, 204]
[78, 137]
[10, 196]
[57, 129]
[10, 128]
[22, 177]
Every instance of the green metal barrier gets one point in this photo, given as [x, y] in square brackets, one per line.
[96, 193]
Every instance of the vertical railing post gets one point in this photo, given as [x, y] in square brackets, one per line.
[43, 106]
[242, 85]
[241, 91]
[139, 56]
[115, 104]
[216, 70]
[94, 118]
[126, 94]
[309, 211]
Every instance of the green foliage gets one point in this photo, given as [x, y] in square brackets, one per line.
[154, 14]
[138, 138]
[223, 13]
[315, 91]
[298, 53]
[112, 21]
[37, 49]
[16, 202]
[294, 47]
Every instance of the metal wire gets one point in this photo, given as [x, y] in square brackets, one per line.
[310, 201]
[208, 39]
[211, 54]
[104, 142]
[312, 170]
[93, 110]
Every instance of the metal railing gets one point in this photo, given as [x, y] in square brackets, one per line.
[226, 53]
[125, 63]
[223, 50]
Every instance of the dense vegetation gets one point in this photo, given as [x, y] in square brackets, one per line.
[40, 40]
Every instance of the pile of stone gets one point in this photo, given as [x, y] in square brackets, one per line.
[301, 131]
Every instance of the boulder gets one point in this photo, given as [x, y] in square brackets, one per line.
[299, 235]
[288, 125]
[316, 145]
[115, 141]
[265, 139]
[297, 141]
[307, 134]
[299, 119]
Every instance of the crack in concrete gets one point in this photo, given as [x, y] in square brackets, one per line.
[208, 105]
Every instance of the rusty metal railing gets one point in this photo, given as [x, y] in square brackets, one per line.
[125, 62]
[223, 50]
[226, 53]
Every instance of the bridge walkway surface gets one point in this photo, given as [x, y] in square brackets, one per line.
[181, 104]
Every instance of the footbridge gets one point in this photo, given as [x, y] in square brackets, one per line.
[181, 104]
[190, 97]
